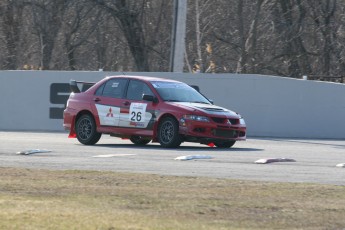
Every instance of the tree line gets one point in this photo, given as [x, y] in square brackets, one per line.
[277, 37]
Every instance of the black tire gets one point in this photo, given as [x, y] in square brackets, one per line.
[224, 144]
[139, 140]
[168, 135]
[86, 130]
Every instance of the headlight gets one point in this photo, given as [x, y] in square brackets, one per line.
[242, 122]
[196, 118]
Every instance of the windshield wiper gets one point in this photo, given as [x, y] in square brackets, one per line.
[171, 100]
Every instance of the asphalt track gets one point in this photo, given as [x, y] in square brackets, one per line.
[316, 160]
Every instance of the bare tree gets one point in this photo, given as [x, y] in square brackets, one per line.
[82, 21]
[323, 15]
[291, 15]
[200, 19]
[11, 15]
[248, 57]
[157, 21]
[282, 37]
[128, 16]
[47, 20]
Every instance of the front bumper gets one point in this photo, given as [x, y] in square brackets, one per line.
[212, 130]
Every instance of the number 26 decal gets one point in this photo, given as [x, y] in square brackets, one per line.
[136, 116]
[137, 112]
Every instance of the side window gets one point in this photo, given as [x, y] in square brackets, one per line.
[114, 88]
[147, 90]
[99, 91]
[136, 89]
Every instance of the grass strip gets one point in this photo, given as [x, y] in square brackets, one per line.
[43, 199]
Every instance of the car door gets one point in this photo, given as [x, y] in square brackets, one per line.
[136, 112]
[107, 101]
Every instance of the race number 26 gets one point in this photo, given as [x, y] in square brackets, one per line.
[136, 116]
[137, 112]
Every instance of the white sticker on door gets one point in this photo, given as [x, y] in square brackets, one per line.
[108, 115]
[137, 113]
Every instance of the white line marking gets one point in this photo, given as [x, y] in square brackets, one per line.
[191, 157]
[32, 151]
[272, 160]
[114, 155]
[342, 165]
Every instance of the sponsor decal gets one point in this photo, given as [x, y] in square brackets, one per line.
[137, 124]
[134, 117]
[115, 85]
[110, 114]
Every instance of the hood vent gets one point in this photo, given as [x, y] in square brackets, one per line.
[212, 109]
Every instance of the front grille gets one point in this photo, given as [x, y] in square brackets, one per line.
[225, 133]
[234, 121]
[199, 130]
[219, 120]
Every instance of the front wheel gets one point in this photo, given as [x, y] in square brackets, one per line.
[224, 144]
[86, 130]
[168, 135]
[139, 140]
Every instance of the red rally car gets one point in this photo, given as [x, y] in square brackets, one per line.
[146, 109]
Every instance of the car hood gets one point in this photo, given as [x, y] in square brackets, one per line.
[208, 109]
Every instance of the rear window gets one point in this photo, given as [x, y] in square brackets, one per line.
[113, 88]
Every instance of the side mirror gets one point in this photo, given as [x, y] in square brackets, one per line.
[147, 97]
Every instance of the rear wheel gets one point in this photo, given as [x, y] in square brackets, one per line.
[224, 144]
[139, 140]
[86, 130]
[168, 135]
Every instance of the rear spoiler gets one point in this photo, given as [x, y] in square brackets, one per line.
[195, 87]
[73, 84]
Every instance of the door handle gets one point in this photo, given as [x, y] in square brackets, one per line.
[96, 99]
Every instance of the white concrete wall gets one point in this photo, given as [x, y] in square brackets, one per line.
[272, 106]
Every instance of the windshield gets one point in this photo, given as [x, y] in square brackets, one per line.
[178, 92]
